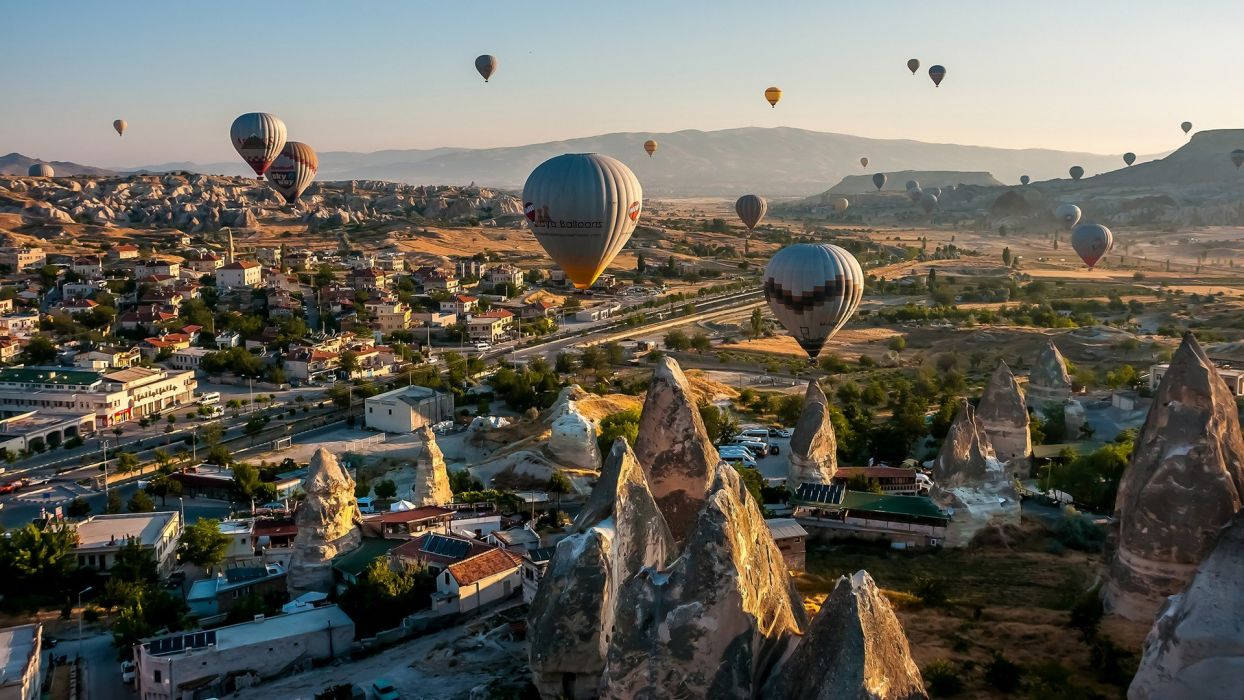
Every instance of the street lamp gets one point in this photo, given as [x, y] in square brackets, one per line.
[81, 614]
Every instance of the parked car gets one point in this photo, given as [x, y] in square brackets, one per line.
[384, 690]
[127, 671]
[759, 448]
[755, 433]
[367, 505]
[779, 433]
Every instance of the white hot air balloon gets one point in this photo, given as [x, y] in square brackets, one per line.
[258, 137]
[1068, 215]
[293, 170]
[813, 289]
[582, 208]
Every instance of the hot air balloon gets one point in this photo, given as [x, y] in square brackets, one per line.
[1068, 214]
[1129, 158]
[913, 65]
[879, 180]
[936, 192]
[41, 170]
[937, 73]
[293, 170]
[1091, 242]
[912, 185]
[1237, 157]
[650, 146]
[486, 65]
[813, 289]
[840, 204]
[928, 202]
[1024, 179]
[915, 195]
[1076, 172]
[773, 94]
[751, 210]
[864, 162]
[258, 138]
[1186, 126]
[120, 125]
[582, 208]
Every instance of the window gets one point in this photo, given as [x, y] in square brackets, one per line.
[156, 676]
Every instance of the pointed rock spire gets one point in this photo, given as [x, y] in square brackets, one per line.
[813, 456]
[1004, 415]
[431, 486]
[327, 524]
[674, 448]
[1184, 483]
[1049, 382]
[572, 437]
[966, 454]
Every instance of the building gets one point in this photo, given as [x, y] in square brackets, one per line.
[535, 563]
[32, 429]
[21, 648]
[73, 307]
[505, 274]
[791, 539]
[516, 539]
[157, 268]
[100, 537]
[204, 262]
[88, 266]
[22, 258]
[188, 358]
[239, 274]
[19, 323]
[125, 251]
[308, 364]
[477, 580]
[405, 409]
[1233, 377]
[388, 316]
[433, 319]
[107, 357]
[490, 326]
[469, 267]
[372, 278]
[407, 524]
[459, 304]
[350, 566]
[218, 595]
[833, 511]
[436, 551]
[892, 480]
[189, 665]
[113, 397]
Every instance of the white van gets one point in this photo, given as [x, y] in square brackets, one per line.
[761, 434]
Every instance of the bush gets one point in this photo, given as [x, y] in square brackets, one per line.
[1002, 674]
[1077, 532]
[1086, 613]
[931, 590]
[942, 678]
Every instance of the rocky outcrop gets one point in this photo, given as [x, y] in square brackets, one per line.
[327, 525]
[674, 448]
[813, 456]
[966, 454]
[619, 532]
[1004, 415]
[1182, 487]
[431, 485]
[1049, 382]
[716, 622]
[855, 648]
[970, 482]
[572, 438]
[1196, 646]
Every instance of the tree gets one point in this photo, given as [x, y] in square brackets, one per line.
[382, 596]
[127, 462]
[623, 424]
[756, 325]
[40, 351]
[1006, 256]
[700, 342]
[114, 501]
[254, 426]
[349, 362]
[164, 486]
[677, 340]
[245, 479]
[140, 502]
[203, 544]
[718, 423]
[162, 458]
[78, 508]
[558, 484]
[386, 489]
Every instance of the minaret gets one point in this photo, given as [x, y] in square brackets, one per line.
[229, 253]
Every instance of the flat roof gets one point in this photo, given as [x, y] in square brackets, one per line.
[17, 644]
[108, 530]
[250, 633]
[370, 549]
[784, 528]
[407, 516]
[131, 374]
[48, 375]
[917, 506]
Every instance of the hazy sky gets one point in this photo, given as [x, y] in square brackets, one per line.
[1096, 75]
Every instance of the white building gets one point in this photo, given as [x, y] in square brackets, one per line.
[100, 537]
[114, 397]
[490, 326]
[477, 581]
[239, 274]
[21, 650]
[188, 358]
[1233, 377]
[405, 409]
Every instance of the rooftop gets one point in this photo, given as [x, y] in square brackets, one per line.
[481, 566]
[17, 644]
[207, 588]
[407, 516]
[371, 548]
[106, 530]
[917, 506]
[131, 374]
[784, 528]
[439, 549]
[48, 375]
[251, 633]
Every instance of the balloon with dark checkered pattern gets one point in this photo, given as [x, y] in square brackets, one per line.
[813, 289]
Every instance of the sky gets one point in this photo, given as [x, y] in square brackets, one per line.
[1103, 76]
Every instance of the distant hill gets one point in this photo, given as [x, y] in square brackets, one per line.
[18, 164]
[777, 162]
[897, 181]
[1204, 162]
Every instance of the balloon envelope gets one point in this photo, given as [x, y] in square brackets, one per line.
[293, 170]
[650, 146]
[937, 73]
[1091, 242]
[120, 125]
[879, 180]
[486, 65]
[773, 94]
[1237, 157]
[1068, 214]
[936, 192]
[1024, 179]
[913, 65]
[864, 162]
[1186, 126]
[41, 170]
[1129, 158]
[258, 137]
[1076, 172]
[912, 185]
[813, 290]
[751, 209]
[928, 202]
[582, 208]
[840, 204]
[915, 195]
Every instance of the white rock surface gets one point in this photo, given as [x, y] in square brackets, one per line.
[572, 439]
[327, 525]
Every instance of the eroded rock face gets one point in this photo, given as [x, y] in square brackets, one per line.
[617, 533]
[674, 448]
[572, 439]
[1004, 415]
[327, 525]
[431, 486]
[1182, 487]
[966, 452]
[813, 456]
[855, 649]
[1196, 646]
[1049, 382]
[970, 481]
[714, 623]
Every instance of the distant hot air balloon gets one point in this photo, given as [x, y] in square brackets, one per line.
[912, 185]
[813, 289]
[41, 170]
[120, 125]
[1186, 126]
[258, 138]
[650, 146]
[928, 202]
[913, 65]
[937, 73]
[915, 195]
[1068, 214]
[879, 180]
[582, 208]
[1237, 157]
[1024, 179]
[751, 210]
[1091, 242]
[293, 170]
[864, 162]
[936, 192]
[1129, 158]
[773, 94]
[840, 204]
[1076, 172]
[486, 65]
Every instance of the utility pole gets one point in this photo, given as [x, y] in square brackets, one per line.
[88, 589]
[104, 443]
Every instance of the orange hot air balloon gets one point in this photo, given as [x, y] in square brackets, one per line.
[650, 146]
[773, 94]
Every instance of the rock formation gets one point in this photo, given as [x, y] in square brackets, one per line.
[431, 486]
[855, 648]
[966, 454]
[327, 525]
[674, 448]
[1004, 415]
[718, 619]
[1049, 383]
[617, 533]
[1183, 485]
[971, 482]
[813, 453]
[1196, 646]
[572, 439]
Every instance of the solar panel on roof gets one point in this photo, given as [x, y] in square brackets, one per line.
[446, 546]
[193, 640]
[829, 494]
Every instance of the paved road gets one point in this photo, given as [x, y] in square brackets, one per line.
[103, 671]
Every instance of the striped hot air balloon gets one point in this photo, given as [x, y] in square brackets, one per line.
[773, 94]
[582, 208]
[41, 170]
[751, 209]
[1091, 242]
[293, 170]
[1068, 215]
[258, 137]
[813, 289]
